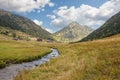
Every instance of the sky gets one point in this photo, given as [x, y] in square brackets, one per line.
[54, 15]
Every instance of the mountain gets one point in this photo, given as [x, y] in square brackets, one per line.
[73, 32]
[109, 28]
[20, 23]
[7, 33]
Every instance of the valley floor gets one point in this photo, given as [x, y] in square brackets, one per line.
[95, 60]
[21, 51]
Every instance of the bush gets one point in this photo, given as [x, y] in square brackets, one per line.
[2, 64]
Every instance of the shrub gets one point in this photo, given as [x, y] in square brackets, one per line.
[2, 64]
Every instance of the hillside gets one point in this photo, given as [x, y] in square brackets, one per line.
[16, 22]
[111, 27]
[73, 32]
[7, 33]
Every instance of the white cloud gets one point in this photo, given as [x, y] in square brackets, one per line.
[38, 11]
[86, 14]
[24, 5]
[49, 30]
[51, 4]
[51, 16]
[39, 23]
[63, 7]
[43, 9]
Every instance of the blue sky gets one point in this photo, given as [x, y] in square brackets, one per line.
[53, 15]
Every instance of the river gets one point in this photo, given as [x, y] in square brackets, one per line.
[9, 72]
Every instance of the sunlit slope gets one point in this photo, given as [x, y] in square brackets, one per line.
[8, 34]
[73, 32]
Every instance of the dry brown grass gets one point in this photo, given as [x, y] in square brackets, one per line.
[95, 60]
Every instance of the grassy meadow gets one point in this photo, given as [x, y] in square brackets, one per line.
[20, 51]
[95, 60]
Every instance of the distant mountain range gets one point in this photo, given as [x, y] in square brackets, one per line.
[22, 24]
[15, 25]
[111, 27]
[71, 33]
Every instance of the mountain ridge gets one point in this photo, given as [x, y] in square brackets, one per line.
[23, 24]
[109, 28]
[71, 33]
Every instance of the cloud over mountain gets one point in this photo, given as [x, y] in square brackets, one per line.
[51, 16]
[39, 23]
[85, 14]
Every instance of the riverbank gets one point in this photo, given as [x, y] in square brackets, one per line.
[13, 52]
[11, 71]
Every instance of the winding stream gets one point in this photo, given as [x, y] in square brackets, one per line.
[11, 71]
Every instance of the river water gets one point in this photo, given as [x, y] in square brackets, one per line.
[9, 72]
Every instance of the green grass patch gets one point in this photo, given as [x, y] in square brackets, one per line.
[21, 51]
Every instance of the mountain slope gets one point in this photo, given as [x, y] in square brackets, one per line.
[7, 33]
[111, 27]
[73, 32]
[22, 24]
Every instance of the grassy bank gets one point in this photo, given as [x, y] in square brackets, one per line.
[21, 51]
[96, 60]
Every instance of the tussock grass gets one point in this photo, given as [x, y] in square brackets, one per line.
[95, 60]
[20, 51]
